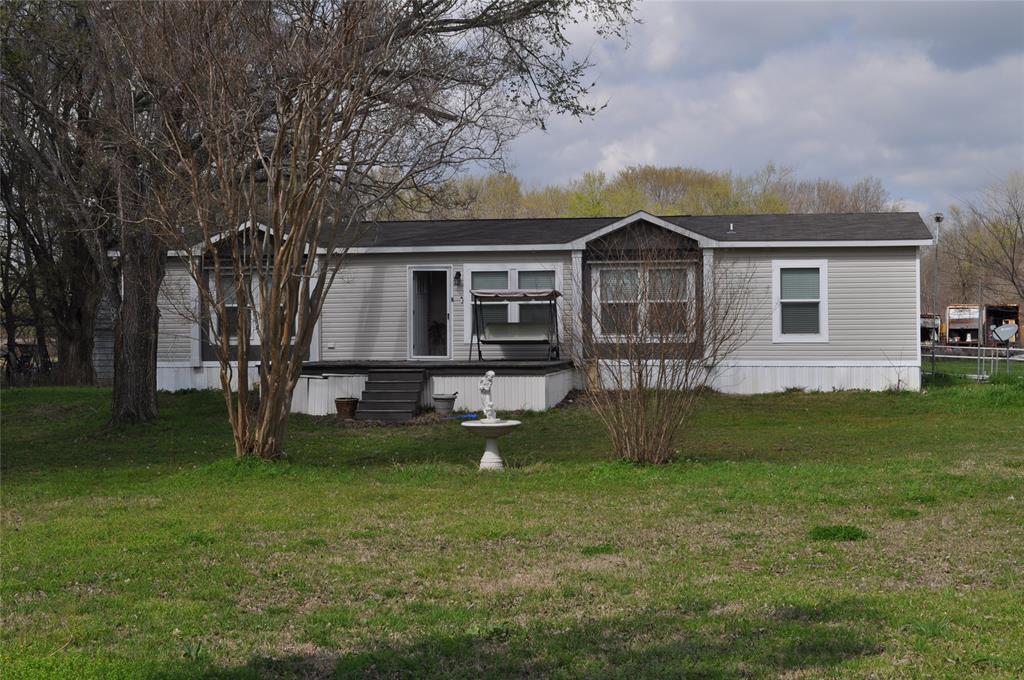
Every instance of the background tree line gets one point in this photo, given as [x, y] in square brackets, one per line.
[670, 190]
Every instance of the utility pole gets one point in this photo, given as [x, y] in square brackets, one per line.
[938, 217]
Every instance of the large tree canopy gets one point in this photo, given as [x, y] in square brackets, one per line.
[284, 126]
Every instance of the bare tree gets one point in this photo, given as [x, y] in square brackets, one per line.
[989, 235]
[78, 191]
[657, 327]
[290, 125]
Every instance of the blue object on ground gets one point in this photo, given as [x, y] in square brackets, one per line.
[467, 416]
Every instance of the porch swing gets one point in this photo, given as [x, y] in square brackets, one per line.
[514, 333]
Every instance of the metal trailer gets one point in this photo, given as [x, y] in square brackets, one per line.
[964, 324]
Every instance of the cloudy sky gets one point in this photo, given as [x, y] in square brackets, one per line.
[928, 96]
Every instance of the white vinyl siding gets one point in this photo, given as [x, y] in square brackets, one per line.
[174, 342]
[365, 315]
[872, 304]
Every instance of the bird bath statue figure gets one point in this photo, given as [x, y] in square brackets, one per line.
[490, 426]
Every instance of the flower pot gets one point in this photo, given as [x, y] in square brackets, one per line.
[444, 403]
[346, 407]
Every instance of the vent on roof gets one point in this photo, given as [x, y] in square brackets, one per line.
[730, 227]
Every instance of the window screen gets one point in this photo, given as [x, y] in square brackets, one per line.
[491, 313]
[620, 301]
[489, 281]
[800, 284]
[800, 318]
[534, 312]
[230, 295]
[537, 280]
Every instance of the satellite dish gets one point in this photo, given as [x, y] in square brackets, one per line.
[1005, 332]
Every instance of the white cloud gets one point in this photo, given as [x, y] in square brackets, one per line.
[834, 92]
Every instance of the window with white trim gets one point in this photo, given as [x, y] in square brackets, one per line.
[229, 291]
[527, 277]
[652, 300]
[800, 301]
[231, 304]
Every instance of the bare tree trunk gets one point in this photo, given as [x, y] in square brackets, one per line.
[38, 314]
[75, 341]
[136, 330]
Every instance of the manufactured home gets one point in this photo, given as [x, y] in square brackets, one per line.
[424, 307]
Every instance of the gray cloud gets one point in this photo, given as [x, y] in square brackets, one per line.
[929, 97]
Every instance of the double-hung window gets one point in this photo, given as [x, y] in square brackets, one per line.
[653, 301]
[800, 301]
[535, 312]
[229, 292]
[489, 312]
[502, 277]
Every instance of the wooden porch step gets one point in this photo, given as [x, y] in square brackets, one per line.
[385, 375]
[391, 394]
[396, 415]
[376, 394]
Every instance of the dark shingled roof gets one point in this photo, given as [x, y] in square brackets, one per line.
[531, 231]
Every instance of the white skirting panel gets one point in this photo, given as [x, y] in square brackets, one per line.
[315, 395]
[510, 392]
[556, 386]
[174, 378]
[748, 379]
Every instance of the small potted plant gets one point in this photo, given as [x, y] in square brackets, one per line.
[444, 403]
[346, 407]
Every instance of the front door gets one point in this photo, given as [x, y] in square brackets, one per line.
[430, 313]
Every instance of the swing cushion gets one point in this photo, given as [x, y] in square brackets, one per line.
[539, 333]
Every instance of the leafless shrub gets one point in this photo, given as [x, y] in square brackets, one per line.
[659, 320]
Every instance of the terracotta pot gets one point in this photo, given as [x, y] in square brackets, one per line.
[346, 407]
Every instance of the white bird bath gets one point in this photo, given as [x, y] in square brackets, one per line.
[491, 430]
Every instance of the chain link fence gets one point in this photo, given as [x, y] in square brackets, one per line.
[953, 363]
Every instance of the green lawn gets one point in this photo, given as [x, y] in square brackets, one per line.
[798, 535]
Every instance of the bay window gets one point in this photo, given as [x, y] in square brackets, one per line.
[654, 301]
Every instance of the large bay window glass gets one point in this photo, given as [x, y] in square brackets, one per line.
[652, 300]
